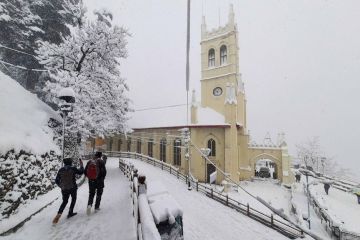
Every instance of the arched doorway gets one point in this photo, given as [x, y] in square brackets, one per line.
[266, 168]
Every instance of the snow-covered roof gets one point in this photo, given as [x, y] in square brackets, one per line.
[24, 119]
[174, 117]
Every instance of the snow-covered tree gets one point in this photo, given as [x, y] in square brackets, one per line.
[88, 61]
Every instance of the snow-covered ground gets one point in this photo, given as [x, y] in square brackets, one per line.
[269, 190]
[113, 221]
[203, 217]
[342, 205]
[24, 120]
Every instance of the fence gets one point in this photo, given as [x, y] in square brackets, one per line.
[331, 224]
[284, 228]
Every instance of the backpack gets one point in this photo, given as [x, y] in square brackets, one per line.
[66, 180]
[92, 171]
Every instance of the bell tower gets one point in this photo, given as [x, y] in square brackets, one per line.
[220, 69]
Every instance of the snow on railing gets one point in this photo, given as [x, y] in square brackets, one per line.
[285, 228]
[148, 211]
[332, 222]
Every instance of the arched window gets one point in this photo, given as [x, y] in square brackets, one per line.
[212, 146]
[163, 150]
[223, 55]
[128, 147]
[150, 147]
[211, 58]
[177, 152]
[138, 146]
[119, 144]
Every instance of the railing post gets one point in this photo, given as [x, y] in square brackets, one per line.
[186, 179]
[154, 161]
[177, 173]
[272, 220]
[170, 169]
[197, 186]
[227, 200]
[248, 209]
[162, 166]
[212, 193]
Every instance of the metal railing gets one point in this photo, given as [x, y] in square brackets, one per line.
[282, 227]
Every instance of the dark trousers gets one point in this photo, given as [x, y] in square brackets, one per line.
[358, 196]
[95, 187]
[65, 196]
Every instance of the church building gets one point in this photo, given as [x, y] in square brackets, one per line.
[217, 121]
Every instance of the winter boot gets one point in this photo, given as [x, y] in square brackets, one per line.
[71, 214]
[88, 210]
[56, 219]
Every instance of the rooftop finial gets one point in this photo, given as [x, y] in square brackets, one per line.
[231, 15]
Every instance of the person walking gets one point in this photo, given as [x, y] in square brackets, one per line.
[326, 187]
[65, 179]
[95, 171]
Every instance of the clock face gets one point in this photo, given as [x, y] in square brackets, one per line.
[217, 91]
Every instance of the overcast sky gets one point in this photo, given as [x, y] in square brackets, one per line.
[300, 62]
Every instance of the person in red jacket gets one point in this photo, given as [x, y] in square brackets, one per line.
[95, 171]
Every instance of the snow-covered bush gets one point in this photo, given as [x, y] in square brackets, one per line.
[24, 176]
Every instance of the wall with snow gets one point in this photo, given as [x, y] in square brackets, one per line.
[28, 153]
[24, 176]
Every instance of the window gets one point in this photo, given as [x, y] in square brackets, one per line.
[150, 147]
[128, 147]
[223, 55]
[119, 144]
[177, 152]
[212, 146]
[163, 150]
[138, 146]
[110, 143]
[211, 58]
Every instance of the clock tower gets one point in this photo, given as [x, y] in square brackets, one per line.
[221, 82]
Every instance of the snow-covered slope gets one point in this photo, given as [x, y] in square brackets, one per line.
[23, 120]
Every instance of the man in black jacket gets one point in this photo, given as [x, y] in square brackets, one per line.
[65, 179]
[96, 181]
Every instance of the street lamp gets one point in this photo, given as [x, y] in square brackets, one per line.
[205, 153]
[67, 97]
[307, 188]
[185, 134]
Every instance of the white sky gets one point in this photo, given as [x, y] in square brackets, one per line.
[300, 62]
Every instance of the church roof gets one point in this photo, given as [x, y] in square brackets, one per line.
[173, 117]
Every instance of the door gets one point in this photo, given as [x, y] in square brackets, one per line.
[210, 169]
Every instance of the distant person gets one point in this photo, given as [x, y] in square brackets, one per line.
[297, 177]
[104, 158]
[356, 191]
[326, 187]
[65, 179]
[142, 184]
[95, 171]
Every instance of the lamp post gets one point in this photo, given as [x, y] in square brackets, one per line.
[185, 134]
[205, 153]
[67, 97]
[307, 189]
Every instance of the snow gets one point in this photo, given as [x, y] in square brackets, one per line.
[162, 204]
[25, 126]
[206, 116]
[112, 221]
[67, 92]
[149, 230]
[341, 205]
[203, 217]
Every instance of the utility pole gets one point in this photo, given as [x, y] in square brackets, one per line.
[187, 132]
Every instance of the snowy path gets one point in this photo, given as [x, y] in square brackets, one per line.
[113, 221]
[300, 199]
[203, 217]
[341, 204]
